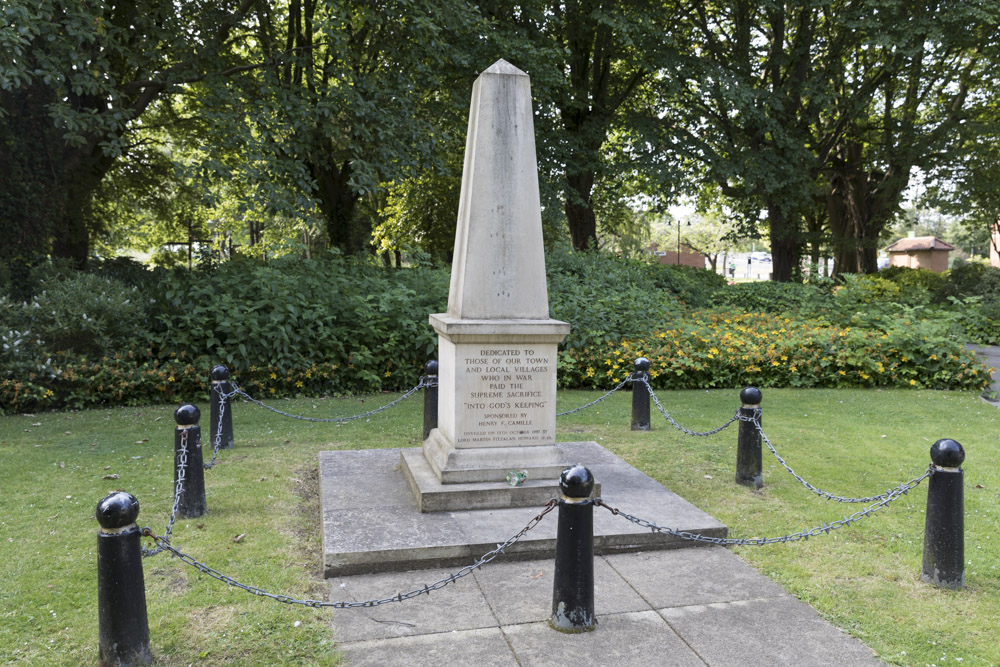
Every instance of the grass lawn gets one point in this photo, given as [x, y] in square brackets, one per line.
[55, 467]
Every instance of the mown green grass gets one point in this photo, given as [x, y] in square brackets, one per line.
[865, 578]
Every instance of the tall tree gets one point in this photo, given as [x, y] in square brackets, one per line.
[354, 95]
[591, 64]
[92, 69]
[752, 90]
[911, 90]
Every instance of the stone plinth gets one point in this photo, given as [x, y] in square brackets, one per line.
[496, 399]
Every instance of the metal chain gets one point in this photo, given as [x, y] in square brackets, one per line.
[819, 492]
[178, 490]
[595, 402]
[423, 383]
[163, 544]
[217, 444]
[670, 419]
[760, 541]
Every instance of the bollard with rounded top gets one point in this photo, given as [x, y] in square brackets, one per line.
[123, 626]
[748, 452]
[221, 408]
[430, 397]
[573, 584]
[944, 527]
[640, 395]
[188, 462]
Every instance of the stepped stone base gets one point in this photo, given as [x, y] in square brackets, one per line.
[452, 465]
[372, 523]
[433, 496]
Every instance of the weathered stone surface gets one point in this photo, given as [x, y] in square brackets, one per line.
[497, 345]
[362, 535]
[499, 260]
[434, 496]
[503, 608]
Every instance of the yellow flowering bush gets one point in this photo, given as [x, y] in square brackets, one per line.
[726, 349]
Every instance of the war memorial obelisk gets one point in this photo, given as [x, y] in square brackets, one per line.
[497, 345]
[496, 393]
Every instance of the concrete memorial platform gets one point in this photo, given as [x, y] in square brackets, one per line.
[372, 523]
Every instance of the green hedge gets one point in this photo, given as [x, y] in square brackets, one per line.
[733, 349]
[127, 335]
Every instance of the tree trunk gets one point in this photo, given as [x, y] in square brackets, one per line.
[580, 216]
[30, 182]
[337, 202]
[70, 236]
[845, 247]
[784, 245]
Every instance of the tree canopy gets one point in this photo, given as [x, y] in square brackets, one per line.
[339, 124]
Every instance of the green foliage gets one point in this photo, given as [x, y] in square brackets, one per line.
[725, 349]
[936, 284]
[603, 298]
[125, 335]
[83, 314]
[974, 279]
[772, 297]
[368, 322]
[695, 287]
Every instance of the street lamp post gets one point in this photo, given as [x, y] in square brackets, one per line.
[678, 262]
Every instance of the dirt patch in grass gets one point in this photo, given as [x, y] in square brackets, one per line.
[307, 524]
[172, 581]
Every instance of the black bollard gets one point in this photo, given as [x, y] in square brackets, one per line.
[640, 395]
[220, 409]
[188, 462]
[573, 585]
[748, 453]
[430, 397]
[944, 527]
[123, 627]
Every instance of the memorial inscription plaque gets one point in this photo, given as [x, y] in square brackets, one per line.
[503, 395]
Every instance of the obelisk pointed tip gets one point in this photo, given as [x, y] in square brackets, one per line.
[503, 67]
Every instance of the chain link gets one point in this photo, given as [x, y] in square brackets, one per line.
[754, 419]
[164, 544]
[596, 401]
[217, 442]
[178, 490]
[804, 534]
[670, 419]
[423, 384]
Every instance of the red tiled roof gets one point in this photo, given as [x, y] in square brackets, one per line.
[919, 243]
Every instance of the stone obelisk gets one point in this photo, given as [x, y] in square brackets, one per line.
[497, 345]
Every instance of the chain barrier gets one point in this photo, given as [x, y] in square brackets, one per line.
[164, 545]
[820, 492]
[670, 419]
[422, 384]
[178, 490]
[595, 402]
[804, 534]
[217, 441]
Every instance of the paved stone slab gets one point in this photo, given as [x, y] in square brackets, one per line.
[673, 579]
[498, 616]
[765, 633]
[990, 356]
[522, 592]
[458, 606]
[461, 647]
[371, 522]
[631, 639]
